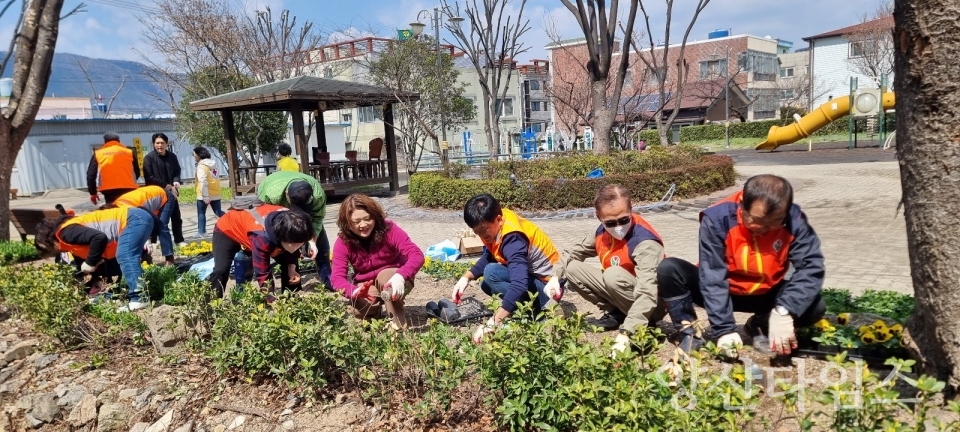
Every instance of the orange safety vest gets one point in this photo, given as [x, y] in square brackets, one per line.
[541, 254]
[115, 164]
[110, 222]
[756, 263]
[613, 252]
[150, 198]
[238, 224]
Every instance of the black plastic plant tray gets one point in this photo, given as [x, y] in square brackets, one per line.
[469, 308]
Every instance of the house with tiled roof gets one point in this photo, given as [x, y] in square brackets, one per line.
[834, 56]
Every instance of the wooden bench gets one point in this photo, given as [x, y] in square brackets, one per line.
[245, 189]
[26, 220]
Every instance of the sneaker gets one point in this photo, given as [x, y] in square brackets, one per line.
[133, 306]
[611, 320]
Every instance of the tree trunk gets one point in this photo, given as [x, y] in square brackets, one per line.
[927, 36]
[492, 142]
[662, 131]
[603, 119]
[6, 172]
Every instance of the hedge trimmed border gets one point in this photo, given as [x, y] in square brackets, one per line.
[435, 190]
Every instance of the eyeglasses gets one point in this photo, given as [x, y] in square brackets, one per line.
[618, 222]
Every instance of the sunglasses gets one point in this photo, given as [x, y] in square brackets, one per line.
[618, 222]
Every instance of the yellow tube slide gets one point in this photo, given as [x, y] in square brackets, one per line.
[816, 119]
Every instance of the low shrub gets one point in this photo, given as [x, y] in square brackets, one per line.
[441, 270]
[536, 190]
[545, 376]
[156, 279]
[578, 166]
[47, 295]
[16, 251]
[889, 304]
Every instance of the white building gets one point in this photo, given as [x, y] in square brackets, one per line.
[56, 153]
[61, 108]
[830, 54]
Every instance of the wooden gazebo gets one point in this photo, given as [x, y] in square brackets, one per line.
[296, 95]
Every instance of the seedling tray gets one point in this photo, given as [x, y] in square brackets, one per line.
[469, 308]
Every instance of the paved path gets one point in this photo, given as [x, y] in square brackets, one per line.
[849, 201]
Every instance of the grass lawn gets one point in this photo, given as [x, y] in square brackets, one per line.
[188, 194]
[744, 143]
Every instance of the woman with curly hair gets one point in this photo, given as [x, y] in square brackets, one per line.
[384, 259]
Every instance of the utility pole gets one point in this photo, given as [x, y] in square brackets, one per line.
[726, 100]
[443, 121]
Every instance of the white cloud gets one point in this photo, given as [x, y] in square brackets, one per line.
[93, 25]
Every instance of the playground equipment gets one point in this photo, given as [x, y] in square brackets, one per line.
[861, 102]
[816, 119]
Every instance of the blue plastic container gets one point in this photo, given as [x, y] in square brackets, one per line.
[241, 262]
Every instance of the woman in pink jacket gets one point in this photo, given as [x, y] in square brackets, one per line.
[384, 259]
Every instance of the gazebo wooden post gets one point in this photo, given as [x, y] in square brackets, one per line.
[390, 141]
[300, 136]
[230, 137]
[321, 130]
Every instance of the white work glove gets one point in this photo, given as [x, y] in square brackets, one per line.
[483, 330]
[458, 289]
[312, 248]
[553, 289]
[87, 268]
[176, 185]
[782, 337]
[396, 286]
[621, 345]
[730, 344]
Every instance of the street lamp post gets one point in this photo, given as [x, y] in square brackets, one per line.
[417, 28]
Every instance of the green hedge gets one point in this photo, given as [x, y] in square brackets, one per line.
[709, 174]
[579, 165]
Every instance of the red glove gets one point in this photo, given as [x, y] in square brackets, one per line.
[94, 199]
[361, 291]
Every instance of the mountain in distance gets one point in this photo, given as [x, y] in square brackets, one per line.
[140, 93]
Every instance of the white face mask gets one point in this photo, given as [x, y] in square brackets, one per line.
[619, 232]
[291, 247]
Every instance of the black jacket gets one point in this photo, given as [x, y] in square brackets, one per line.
[161, 170]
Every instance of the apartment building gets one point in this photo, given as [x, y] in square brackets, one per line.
[834, 55]
[748, 62]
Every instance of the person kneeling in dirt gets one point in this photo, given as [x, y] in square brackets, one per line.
[295, 190]
[759, 255]
[629, 249]
[517, 263]
[103, 234]
[384, 259]
[266, 231]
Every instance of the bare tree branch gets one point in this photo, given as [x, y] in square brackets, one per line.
[492, 45]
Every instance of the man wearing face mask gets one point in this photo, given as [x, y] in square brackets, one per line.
[629, 249]
[265, 232]
[757, 255]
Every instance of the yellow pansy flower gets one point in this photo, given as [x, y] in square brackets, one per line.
[843, 318]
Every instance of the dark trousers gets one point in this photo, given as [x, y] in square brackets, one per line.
[111, 195]
[176, 223]
[677, 277]
[224, 248]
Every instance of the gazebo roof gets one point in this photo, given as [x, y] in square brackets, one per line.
[308, 90]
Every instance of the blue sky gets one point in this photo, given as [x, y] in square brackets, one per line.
[110, 29]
